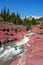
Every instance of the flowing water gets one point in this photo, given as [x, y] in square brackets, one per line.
[11, 50]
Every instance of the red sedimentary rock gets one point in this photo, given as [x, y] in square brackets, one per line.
[34, 52]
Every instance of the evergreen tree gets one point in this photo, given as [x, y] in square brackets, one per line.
[13, 18]
[3, 14]
[18, 19]
[33, 21]
[27, 22]
[8, 15]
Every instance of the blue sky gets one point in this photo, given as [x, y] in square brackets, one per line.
[24, 7]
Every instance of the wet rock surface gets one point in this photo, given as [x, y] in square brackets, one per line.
[10, 53]
[34, 50]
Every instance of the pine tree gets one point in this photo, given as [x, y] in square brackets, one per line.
[18, 19]
[8, 15]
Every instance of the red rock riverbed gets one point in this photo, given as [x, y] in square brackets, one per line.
[34, 50]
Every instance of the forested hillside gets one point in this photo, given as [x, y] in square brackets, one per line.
[6, 16]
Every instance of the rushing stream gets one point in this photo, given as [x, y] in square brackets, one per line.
[12, 50]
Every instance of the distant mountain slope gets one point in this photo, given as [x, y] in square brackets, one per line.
[35, 17]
